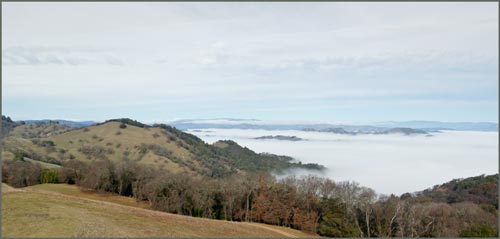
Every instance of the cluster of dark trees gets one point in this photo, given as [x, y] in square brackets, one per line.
[7, 125]
[125, 121]
[482, 190]
[313, 204]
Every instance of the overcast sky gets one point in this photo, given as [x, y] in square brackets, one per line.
[347, 62]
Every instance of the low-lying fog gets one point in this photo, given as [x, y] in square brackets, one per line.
[387, 163]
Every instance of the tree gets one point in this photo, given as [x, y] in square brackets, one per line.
[72, 172]
[366, 199]
[348, 193]
[21, 173]
[49, 176]
[125, 176]
[100, 176]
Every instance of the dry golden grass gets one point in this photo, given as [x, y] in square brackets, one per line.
[128, 139]
[61, 211]
[72, 190]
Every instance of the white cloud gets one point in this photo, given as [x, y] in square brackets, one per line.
[58, 56]
[251, 54]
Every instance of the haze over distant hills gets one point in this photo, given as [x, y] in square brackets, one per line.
[419, 124]
[72, 124]
[226, 123]
[234, 123]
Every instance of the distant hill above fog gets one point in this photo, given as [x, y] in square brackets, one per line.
[233, 123]
[379, 127]
[69, 123]
[436, 125]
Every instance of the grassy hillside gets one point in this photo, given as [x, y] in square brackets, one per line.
[39, 130]
[162, 146]
[63, 211]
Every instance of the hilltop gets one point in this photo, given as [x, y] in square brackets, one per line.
[161, 145]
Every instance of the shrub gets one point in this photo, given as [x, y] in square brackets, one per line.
[123, 126]
[49, 176]
[43, 143]
[52, 161]
[143, 148]
[96, 151]
[479, 231]
[19, 156]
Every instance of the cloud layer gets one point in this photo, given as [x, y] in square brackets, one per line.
[386, 163]
[323, 61]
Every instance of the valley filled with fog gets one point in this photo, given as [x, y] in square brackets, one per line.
[387, 163]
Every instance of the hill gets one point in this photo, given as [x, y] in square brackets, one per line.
[39, 130]
[280, 137]
[482, 190]
[404, 131]
[162, 146]
[69, 123]
[429, 126]
[159, 167]
[43, 211]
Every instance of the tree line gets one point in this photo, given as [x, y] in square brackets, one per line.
[313, 204]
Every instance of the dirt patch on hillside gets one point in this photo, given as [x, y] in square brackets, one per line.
[8, 189]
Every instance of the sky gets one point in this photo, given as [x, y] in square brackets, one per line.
[343, 62]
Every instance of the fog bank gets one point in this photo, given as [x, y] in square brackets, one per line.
[387, 163]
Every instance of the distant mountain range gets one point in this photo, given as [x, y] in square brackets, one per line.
[72, 124]
[400, 130]
[378, 127]
[232, 123]
[436, 125]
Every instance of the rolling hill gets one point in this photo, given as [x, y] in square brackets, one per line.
[160, 145]
[163, 169]
[482, 190]
[57, 210]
